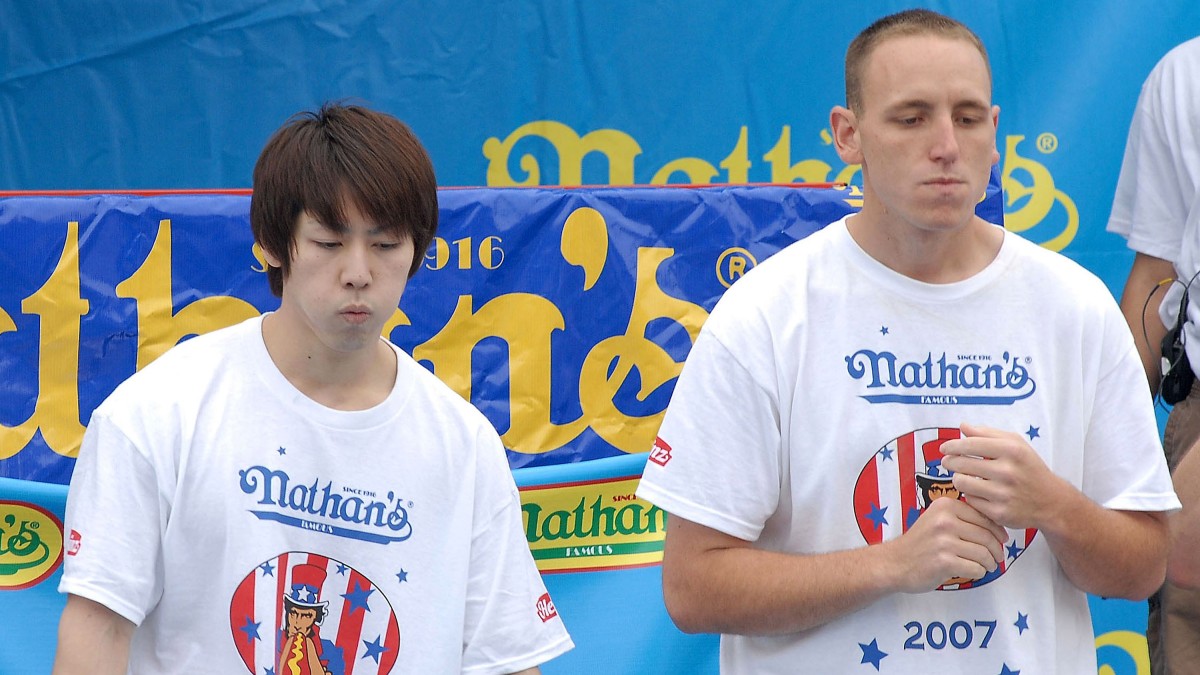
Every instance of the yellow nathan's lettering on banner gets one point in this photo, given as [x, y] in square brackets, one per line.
[526, 323]
[592, 525]
[31, 545]
[1029, 186]
[1134, 656]
[159, 326]
[621, 151]
[1036, 198]
[60, 306]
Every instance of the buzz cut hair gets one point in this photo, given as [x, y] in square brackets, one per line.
[902, 24]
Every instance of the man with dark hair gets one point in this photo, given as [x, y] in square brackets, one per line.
[301, 455]
[833, 373]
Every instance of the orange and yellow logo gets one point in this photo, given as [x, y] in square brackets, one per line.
[31, 545]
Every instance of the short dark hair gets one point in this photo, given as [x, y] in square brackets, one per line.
[907, 23]
[318, 162]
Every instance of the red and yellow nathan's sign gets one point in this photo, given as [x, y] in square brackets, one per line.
[592, 525]
[31, 544]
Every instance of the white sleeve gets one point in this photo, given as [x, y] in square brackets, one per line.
[1124, 467]
[1161, 164]
[718, 460]
[115, 517]
[511, 623]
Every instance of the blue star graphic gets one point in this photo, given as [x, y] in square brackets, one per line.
[267, 568]
[374, 649]
[341, 569]
[1014, 550]
[250, 628]
[1033, 432]
[282, 450]
[359, 597]
[912, 516]
[878, 516]
[883, 330]
[402, 576]
[268, 671]
[1009, 671]
[1022, 623]
[872, 654]
[886, 453]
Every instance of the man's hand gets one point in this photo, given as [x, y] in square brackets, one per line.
[951, 540]
[1002, 476]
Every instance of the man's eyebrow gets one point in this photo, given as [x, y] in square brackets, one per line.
[972, 104]
[337, 228]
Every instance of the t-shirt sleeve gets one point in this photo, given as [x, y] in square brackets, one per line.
[511, 623]
[718, 457]
[1156, 183]
[1125, 468]
[115, 517]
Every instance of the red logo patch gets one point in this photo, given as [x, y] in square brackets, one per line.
[76, 540]
[545, 608]
[661, 454]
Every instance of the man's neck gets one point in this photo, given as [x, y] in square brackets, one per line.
[354, 380]
[935, 257]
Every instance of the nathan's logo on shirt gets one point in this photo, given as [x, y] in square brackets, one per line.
[545, 608]
[321, 507]
[976, 379]
[661, 453]
[31, 544]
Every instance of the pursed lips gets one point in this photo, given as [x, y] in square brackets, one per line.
[356, 313]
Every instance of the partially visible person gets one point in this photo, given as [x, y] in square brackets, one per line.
[1155, 208]
[295, 494]
[1183, 567]
[907, 344]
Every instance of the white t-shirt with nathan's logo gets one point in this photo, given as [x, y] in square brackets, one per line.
[811, 411]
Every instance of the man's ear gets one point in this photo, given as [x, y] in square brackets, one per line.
[845, 134]
[270, 258]
[996, 129]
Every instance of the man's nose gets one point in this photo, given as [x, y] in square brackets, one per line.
[356, 265]
[944, 144]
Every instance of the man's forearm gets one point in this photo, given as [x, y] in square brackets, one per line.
[747, 591]
[713, 582]
[92, 640]
[1140, 301]
[1112, 554]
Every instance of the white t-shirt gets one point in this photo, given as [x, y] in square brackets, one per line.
[813, 406]
[209, 489]
[1154, 206]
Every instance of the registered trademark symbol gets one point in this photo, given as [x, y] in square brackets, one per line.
[1047, 143]
[732, 264]
[1028, 359]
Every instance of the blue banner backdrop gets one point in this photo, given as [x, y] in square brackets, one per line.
[564, 314]
[145, 94]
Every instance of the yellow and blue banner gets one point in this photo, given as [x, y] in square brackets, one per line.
[564, 314]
